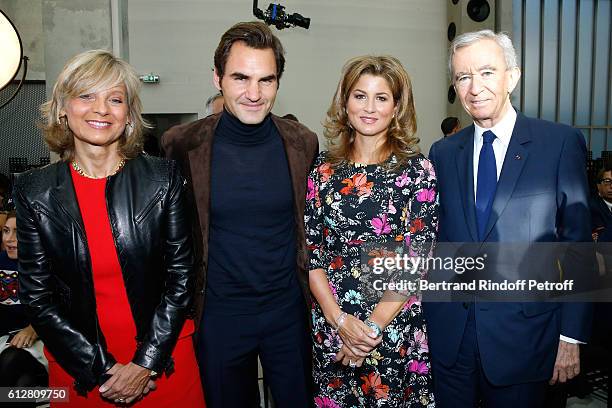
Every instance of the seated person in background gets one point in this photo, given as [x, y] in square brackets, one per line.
[5, 190]
[601, 205]
[22, 363]
[214, 104]
[450, 126]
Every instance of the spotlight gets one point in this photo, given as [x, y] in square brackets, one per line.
[12, 56]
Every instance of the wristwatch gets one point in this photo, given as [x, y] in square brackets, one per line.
[375, 328]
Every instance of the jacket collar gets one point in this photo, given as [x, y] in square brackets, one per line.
[465, 175]
[199, 158]
[515, 159]
[64, 194]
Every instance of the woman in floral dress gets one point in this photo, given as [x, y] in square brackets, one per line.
[373, 186]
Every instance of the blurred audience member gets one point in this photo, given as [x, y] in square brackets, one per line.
[291, 116]
[22, 363]
[5, 191]
[214, 104]
[601, 205]
[450, 126]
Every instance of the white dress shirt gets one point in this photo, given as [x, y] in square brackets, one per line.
[503, 130]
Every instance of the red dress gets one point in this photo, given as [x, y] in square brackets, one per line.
[183, 386]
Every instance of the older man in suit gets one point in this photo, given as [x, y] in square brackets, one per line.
[506, 178]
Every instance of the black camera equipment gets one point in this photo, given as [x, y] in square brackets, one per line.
[275, 15]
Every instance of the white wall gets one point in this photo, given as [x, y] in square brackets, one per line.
[176, 39]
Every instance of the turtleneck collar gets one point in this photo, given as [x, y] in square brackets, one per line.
[232, 130]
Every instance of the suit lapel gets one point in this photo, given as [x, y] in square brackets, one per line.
[65, 195]
[605, 209]
[200, 161]
[465, 175]
[294, 149]
[516, 157]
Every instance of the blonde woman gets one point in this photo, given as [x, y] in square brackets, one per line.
[372, 186]
[105, 252]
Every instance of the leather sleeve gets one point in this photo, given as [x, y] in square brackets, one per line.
[155, 350]
[83, 360]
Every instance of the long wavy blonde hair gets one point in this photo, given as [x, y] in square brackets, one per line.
[87, 72]
[400, 139]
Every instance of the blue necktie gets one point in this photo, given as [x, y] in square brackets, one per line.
[487, 182]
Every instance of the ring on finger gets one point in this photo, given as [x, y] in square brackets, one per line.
[352, 363]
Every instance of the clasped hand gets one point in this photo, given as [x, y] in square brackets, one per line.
[127, 383]
[358, 341]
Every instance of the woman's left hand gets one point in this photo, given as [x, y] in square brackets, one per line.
[25, 338]
[126, 384]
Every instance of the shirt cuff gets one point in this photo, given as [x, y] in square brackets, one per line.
[570, 340]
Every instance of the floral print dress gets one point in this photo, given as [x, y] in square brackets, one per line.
[348, 206]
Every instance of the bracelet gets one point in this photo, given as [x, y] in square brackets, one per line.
[340, 320]
[375, 328]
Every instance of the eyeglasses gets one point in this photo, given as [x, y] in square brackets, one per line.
[606, 182]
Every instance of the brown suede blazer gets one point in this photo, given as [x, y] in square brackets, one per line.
[191, 145]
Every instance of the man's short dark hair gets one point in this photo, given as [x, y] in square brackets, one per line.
[449, 124]
[253, 34]
[601, 172]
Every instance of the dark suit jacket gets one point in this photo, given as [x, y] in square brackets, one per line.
[191, 145]
[601, 217]
[542, 196]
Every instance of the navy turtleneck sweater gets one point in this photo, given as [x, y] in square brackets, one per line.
[252, 245]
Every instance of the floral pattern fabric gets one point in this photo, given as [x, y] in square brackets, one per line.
[347, 206]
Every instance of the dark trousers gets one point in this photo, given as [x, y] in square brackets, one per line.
[464, 385]
[228, 347]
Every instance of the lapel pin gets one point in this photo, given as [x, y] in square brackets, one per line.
[517, 157]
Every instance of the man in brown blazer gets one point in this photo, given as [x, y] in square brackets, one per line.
[247, 171]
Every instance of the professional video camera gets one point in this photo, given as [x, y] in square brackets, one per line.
[275, 15]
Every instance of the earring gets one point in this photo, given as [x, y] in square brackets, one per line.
[63, 121]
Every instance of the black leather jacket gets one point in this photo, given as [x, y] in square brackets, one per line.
[145, 202]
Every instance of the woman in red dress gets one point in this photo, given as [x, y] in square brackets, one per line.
[106, 262]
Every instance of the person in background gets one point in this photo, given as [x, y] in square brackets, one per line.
[22, 362]
[601, 205]
[105, 256]
[214, 104]
[291, 116]
[5, 191]
[450, 126]
[372, 186]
